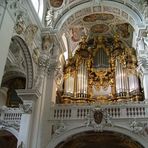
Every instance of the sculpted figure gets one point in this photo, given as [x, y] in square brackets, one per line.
[47, 43]
[50, 18]
[30, 33]
[20, 25]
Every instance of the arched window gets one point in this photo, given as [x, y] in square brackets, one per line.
[38, 6]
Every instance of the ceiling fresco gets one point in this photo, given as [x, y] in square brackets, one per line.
[99, 16]
[99, 24]
[56, 3]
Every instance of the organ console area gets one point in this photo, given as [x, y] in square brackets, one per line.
[103, 69]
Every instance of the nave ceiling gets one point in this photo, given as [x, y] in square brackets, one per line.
[74, 18]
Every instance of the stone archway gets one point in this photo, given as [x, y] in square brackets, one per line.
[7, 139]
[28, 60]
[105, 139]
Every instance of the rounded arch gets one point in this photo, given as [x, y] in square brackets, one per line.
[13, 131]
[124, 11]
[66, 135]
[101, 139]
[13, 74]
[28, 60]
[8, 138]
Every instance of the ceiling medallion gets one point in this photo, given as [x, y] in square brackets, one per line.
[56, 3]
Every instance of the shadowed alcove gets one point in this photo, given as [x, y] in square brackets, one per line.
[105, 139]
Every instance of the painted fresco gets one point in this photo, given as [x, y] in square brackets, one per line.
[100, 16]
[56, 3]
[76, 33]
[123, 29]
[99, 28]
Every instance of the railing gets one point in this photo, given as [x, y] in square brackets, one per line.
[116, 111]
[10, 115]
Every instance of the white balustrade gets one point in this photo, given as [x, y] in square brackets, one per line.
[10, 115]
[116, 111]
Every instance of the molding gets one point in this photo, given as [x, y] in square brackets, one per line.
[28, 94]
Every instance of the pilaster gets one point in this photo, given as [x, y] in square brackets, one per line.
[29, 98]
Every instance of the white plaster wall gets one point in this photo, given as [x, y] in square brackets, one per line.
[6, 32]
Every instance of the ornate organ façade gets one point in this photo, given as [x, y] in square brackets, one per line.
[101, 70]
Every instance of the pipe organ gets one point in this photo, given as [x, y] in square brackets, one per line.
[102, 70]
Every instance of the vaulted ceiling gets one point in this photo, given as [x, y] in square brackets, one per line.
[73, 18]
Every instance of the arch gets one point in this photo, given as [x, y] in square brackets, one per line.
[133, 17]
[65, 135]
[13, 131]
[7, 139]
[13, 74]
[101, 139]
[28, 60]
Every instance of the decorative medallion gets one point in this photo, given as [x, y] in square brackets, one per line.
[56, 3]
[99, 28]
[100, 16]
[98, 116]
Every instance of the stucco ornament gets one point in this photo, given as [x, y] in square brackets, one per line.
[59, 77]
[20, 25]
[36, 55]
[30, 33]
[139, 127]
[145, 10]
[47, 43]
[49, 18]
[61, 128]
[98, 118]
[5, 124]
[26, 108]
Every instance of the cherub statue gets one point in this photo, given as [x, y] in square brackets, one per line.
[83, 43]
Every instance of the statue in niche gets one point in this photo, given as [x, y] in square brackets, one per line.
[30, 33]
[47, 43]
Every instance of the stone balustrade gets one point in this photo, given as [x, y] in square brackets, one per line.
[10, 115]
[115, 111]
